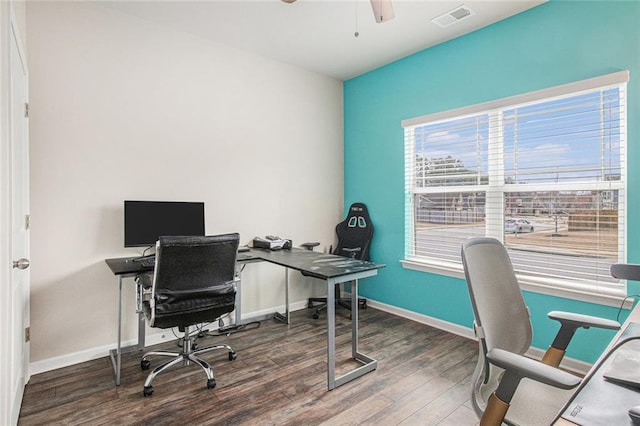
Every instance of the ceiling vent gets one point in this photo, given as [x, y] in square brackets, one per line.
[453, 16]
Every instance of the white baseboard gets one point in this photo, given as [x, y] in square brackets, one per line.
[151, 339]
[568, 363]
[424, 319]
[92, 353]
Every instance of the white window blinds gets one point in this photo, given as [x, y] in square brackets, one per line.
[543, 172]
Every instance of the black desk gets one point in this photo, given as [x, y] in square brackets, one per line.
[333, 270]
[330, 268]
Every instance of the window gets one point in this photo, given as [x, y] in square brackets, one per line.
[543, 172]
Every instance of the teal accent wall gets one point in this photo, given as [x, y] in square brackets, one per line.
[555, 43]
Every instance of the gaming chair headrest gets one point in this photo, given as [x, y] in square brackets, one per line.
[355, 231]
[359, 213]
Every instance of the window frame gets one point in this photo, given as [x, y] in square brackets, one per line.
[561, 288]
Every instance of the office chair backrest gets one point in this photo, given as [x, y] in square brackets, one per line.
[193, 279]
[495, 295]
[355, 233]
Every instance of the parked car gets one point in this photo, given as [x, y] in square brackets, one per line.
[518, 225]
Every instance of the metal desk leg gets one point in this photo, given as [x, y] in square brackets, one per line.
[141, 321]
[141, 331]
[116, 354]
[368, 364]
[354, 319]
[238, 323]
[331, 335]
[286, 318]
[286, 297]
[238, 307]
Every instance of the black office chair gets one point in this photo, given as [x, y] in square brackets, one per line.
[354, 239]
[193, 283]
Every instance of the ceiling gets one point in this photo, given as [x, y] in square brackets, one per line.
[318, 35]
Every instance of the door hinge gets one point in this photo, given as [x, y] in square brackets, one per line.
[27, 222]
[27, 334]
[26, 109]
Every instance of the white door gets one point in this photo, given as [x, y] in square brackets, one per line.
[19, 209]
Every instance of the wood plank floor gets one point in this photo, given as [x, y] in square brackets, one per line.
[279, 378]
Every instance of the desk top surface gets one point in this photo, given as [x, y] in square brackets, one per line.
[126, 266]
[320, 265]
[600, 401]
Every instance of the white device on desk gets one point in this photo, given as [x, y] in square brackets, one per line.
[271, 242]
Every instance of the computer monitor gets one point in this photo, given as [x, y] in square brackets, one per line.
[145, 221]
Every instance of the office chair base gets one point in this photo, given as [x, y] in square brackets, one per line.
[147, 391]
[186, 356]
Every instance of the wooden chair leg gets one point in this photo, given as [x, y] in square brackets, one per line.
[553, 356]
[495, 412]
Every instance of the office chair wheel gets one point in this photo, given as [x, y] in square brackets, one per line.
[316, 315]
[147, 391]
[145, 364]
[211, 383]
[232, 356]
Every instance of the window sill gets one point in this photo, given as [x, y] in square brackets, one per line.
[455, 271]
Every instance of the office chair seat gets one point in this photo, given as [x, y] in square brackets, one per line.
[533, 403]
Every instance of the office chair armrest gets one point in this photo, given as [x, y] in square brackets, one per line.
[569, 322]
[532, 369]
[625, 271]
[517, 367]
[586, 321]
[310, 246]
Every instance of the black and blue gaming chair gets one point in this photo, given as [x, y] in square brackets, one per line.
[354, 240]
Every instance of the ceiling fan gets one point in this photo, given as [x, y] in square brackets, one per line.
[382, 9]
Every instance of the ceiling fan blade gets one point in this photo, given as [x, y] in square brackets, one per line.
[382, 10]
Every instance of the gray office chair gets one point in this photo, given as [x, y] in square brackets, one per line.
[508, 387]
[193, 282]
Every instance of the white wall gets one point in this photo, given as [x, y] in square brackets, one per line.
[122, 108]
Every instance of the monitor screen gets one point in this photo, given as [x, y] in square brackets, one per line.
[145, 221]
